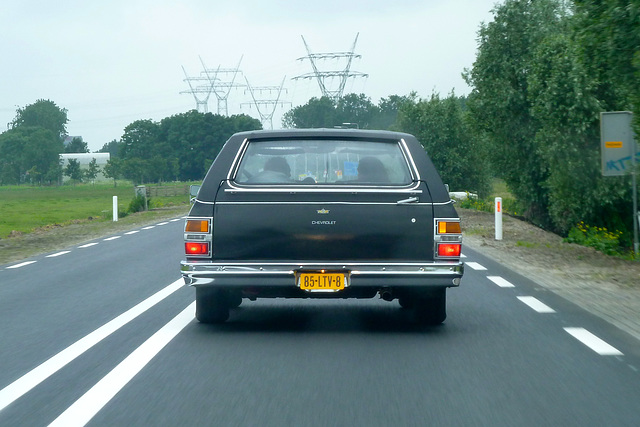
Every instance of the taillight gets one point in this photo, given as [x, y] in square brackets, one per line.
[196, 248]
[449, 249]
[198, 237]
[448, 238]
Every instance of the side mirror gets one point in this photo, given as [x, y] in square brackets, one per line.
[193, 192]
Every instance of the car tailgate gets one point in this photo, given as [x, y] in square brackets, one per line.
[331, 224]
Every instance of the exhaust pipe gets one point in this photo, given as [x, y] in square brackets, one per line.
[386, 295]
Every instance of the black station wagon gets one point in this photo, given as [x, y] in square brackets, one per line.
[322, 213]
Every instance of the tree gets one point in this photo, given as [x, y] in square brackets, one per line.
[317, 113]
[113, 148]
[27, 147]
[77, 145]
[43, 113]
[441, 127]
[500, 103]
[92, 172]
[113, 169]
[73, 171]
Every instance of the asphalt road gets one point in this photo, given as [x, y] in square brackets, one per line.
[104, 335]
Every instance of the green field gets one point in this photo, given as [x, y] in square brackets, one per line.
[24, 208]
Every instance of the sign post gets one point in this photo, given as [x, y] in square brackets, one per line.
[498, 218]
[620, 155]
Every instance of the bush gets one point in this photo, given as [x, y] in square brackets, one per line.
[598, 238]
[137, 204]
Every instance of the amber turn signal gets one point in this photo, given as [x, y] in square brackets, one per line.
[446, 227]
[197, 226]
[196, 248]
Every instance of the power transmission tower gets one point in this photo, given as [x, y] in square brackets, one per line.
[202, 103]
[266, 116]
[221, 89]
[322, 76]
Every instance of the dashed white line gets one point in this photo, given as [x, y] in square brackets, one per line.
[536, 304]
[88, 245]
[85, 408]
[22, 264]
[475, 265]
[112, 238]
[132, 232]
[593, 342]
[176, 219]
[163, 223]
[463, 256]
[34, 377]
[58, 254]
[149, 227]
[503, 283]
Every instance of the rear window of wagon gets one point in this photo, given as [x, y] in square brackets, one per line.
[323, 162]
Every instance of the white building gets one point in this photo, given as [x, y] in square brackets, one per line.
[84, 159]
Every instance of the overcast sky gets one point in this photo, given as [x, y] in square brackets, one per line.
[111, 63]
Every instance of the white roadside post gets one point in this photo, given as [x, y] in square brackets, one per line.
[115, 208]
[498, 211]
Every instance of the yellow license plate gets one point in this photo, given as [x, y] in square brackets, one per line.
[322, 281]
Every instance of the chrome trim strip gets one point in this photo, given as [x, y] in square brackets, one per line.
[321, 203]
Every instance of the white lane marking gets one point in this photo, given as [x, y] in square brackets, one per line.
[176, 219]
[22, 264]
[475, 265]
[85, 408]
[593, 342]
[132, 232]
[537, 305]
[149, 227]
[112, 238]
[88, 245]
[34, 377]
[503, 283]
[163, 223]
[58, 254]
[463, 256]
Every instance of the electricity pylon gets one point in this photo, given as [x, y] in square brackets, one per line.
[322, 75]
[221, 89]
[202, 103]
[266, 116]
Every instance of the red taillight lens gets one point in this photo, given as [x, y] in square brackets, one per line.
[449, 249]
[196, 248]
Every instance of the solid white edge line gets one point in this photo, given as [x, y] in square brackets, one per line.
[58, 254]
[503, 283]
[536, 304]
[22, 264]
[593, 342]
[34, 377]
[475, 265]
[85, 408]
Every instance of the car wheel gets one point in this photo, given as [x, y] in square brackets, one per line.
[212, 305]
[431, 309]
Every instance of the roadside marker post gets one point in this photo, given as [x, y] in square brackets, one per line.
[115, 208]
[498, 217]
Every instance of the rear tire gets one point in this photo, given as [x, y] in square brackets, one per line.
[212, 305]
[431, 309]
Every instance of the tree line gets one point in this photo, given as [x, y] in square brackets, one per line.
[543, 72]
